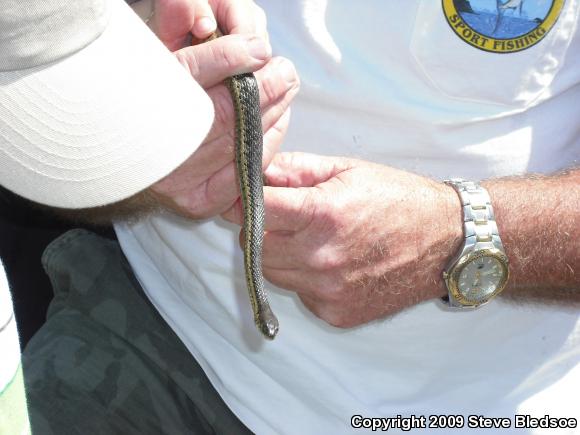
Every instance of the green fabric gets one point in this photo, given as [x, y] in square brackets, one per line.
[13, 413]
[105, 362]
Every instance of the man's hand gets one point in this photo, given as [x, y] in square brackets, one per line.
[177, 22]
[356, 241]
[206, 184]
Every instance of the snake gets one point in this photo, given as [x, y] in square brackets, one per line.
[249, 142]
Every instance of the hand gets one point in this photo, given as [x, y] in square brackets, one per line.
[205, 184]
[357, 241]
[176, 21]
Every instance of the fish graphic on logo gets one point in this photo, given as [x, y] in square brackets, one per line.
[502, 26]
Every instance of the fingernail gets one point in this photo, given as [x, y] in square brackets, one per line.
[206, 25]
[287, 70]
[259, 49]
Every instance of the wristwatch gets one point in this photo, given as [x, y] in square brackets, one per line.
[479, 271]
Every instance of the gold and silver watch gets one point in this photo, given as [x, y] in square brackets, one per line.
[479, 272]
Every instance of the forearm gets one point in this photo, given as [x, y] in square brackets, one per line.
[538, 218]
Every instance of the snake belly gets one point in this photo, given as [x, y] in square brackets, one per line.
[249, 143]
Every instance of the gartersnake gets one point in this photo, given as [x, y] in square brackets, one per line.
[245, 95]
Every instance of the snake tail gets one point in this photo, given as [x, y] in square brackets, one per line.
[249, 144]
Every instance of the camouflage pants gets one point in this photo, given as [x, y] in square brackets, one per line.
[105, 362]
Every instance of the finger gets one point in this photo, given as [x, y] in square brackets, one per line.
[172, 22]
[278, 84]
[281, 251]
[238, 17]
[303, 169]
[274, 133]
[212, 62]
[288, 209]
[205, 23]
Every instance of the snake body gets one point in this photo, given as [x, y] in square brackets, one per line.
[249, 143]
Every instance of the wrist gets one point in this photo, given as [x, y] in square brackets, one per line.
[537, 217]
[513, 230]
[446, 238]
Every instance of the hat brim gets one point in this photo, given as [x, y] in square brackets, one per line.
[103, 123]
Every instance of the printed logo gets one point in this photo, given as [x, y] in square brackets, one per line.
[502, 26]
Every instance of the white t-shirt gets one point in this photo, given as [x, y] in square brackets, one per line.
[13, 410]
[416, 85]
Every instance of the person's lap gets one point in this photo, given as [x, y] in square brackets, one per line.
[105, 361]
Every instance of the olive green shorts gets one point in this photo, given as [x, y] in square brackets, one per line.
[106, 362]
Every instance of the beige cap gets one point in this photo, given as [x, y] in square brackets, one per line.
[93, 108]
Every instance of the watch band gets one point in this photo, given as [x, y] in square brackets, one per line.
[478, 219]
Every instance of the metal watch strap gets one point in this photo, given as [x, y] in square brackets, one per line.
[478, 219]
[480, 232]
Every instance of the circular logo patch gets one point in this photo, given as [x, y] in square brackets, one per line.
[502, 26]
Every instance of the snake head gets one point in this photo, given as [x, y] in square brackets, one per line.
[269, 326]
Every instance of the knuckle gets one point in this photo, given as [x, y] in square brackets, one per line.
[307, 208]
[190, 63]
[232, 59]
[288, 70]
[295, 82]
[326, 260]
[269, 88]
[279, 80]
[289, 159]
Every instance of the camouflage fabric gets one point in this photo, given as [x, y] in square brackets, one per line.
[105, 362]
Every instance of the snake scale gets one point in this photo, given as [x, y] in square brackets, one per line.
[245, 95]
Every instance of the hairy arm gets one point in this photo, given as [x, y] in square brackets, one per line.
[538, 218]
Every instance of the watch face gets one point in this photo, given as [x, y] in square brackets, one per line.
[479, 277]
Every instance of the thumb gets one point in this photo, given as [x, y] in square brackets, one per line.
[303, 169]
[212, 62]
[291, 197]
[289, 209]
[172, 22]
[286, 209]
